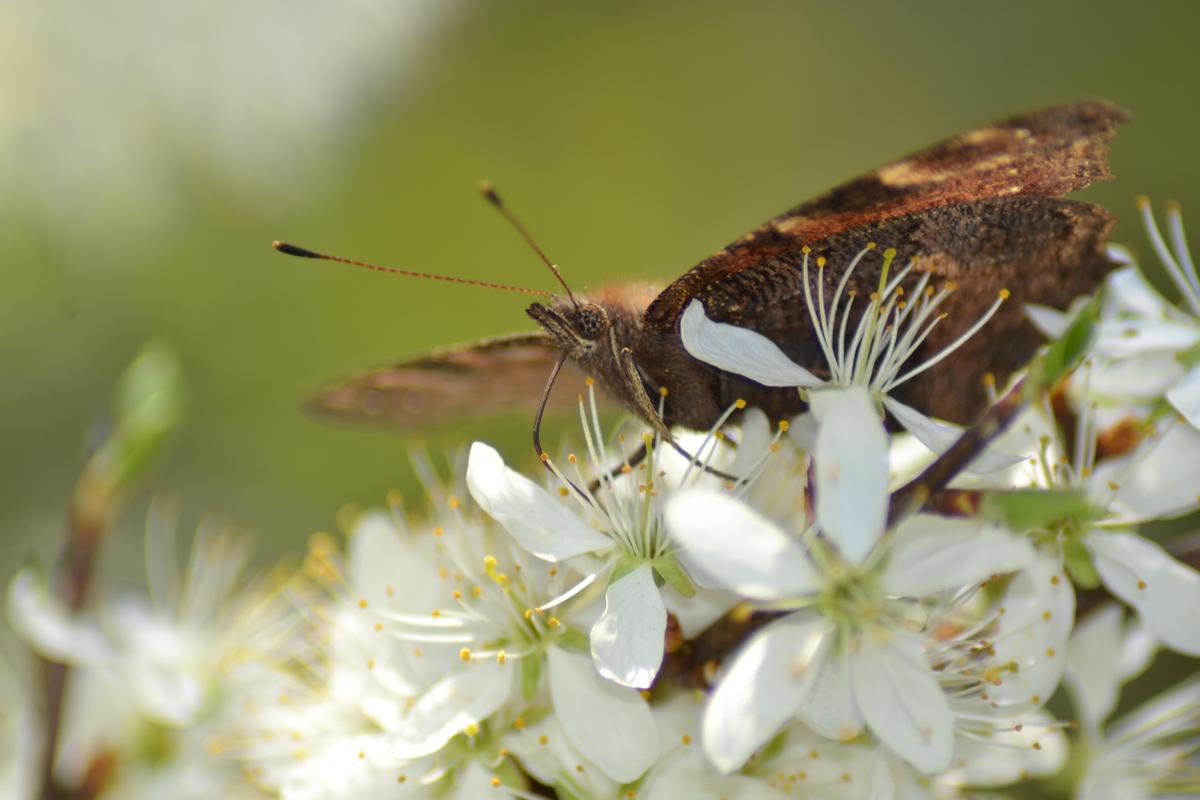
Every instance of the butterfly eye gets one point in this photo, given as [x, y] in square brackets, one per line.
[589, 322]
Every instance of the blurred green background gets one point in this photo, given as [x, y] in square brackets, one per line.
[152, 152]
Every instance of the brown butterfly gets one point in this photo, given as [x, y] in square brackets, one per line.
[983, 210]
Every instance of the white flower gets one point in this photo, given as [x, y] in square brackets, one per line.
[1144, 484]
[1150, 752]
[1147, 348]
[617, 540]
[165, 672]
[888, 332]
[460, 647]
[854, 654]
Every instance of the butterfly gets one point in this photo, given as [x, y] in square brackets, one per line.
[983, 210]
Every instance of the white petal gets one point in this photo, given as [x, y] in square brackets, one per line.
[739, 350]
[1091, 668]
[466, 696]
[735, 547]
[608, 724]
[385, 568]
[1131, 292]
[852, 470]
[1144, 377]
[1185, 396]
[764, 687]
[1050, 322]
[539, 522]
[1151, 483]
[829, 708]
[902, 702]
[702, 609]
[1125, 338]
[1163, 591]
[1031, 636]
[938, 436]
[931, 553]
[49, 627]
[1034, 748]
[627, 640]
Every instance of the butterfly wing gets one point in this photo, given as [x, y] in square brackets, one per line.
[980, 209]
[484, 378]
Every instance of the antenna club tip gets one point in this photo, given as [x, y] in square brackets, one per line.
[489, 192]
[293, 250]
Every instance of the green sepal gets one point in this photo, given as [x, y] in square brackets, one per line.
[1027, 509]
[1079, 564]
[674, 575]
[575, 639]
[531, 676]
[1065, 353]
[625, 565]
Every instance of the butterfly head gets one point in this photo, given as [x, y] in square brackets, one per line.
[579, 329]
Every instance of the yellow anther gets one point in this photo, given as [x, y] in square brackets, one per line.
[821, 261]
[739, 404]
[362, 603]
[472, 729]
[871, 245]
[1005, 294]
[465, 654]
[501, 657]
[662, 391]
[590, 381]
[552, 622]
[806, 249]
[784, 425]
[394, 498]
[454, 502]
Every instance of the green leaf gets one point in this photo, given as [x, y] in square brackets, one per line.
[674, 575]
[1066, 352]
[1025, 509]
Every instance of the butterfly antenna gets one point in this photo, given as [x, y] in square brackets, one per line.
[303, 252]
[490, 194]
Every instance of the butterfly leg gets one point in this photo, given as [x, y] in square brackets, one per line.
[631, 462]
[646, 406]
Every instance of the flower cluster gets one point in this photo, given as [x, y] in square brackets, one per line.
[822, 625]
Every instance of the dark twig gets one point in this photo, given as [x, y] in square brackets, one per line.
[913, 496]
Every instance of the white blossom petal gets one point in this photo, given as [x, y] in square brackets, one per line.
[1144, 378]
[49, 627]
[939, 436]
[1091, 672]
[1129, 291]
[702, 609]
[829, 707]
[931, 553]
[608, 724]
[763, 688]
[466, 696]
[384, 568]
[902, 702]
[1035, 748]
[852, 470]
[627, 640]
[1126, 338]
[735, 547]
[739, 350]
[1150, 483]
[1185, 396]
[1163, 591]
[1050, 322]
[1032, 634]
[538, 521]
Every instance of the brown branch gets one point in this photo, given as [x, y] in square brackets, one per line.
[915, 495]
